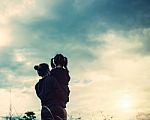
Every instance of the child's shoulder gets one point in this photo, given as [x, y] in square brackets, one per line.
[54, 71]
[57, 69]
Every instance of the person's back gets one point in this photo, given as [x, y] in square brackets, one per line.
[63, 78]
[49, 92]
[61, 74]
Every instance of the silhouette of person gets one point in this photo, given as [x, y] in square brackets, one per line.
[61, 73]
[50, 93]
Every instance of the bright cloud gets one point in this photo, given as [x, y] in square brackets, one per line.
[118, 71]
[5, 37]
[23, 10]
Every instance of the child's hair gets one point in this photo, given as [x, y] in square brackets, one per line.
[59, 59]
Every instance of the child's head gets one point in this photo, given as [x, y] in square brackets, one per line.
[59, 60]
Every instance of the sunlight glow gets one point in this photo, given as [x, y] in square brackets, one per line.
[126, 103]
[5, 38]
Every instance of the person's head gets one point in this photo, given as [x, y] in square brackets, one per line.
[59, 60]
[42, 69]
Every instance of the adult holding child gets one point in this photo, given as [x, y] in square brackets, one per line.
[52, 88]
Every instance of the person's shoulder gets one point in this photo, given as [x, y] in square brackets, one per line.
[53, 71]
[39, 81]
[61, 70]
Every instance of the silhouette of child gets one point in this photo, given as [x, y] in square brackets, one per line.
[61, 73]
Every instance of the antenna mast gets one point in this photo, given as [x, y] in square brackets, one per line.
[10, 112]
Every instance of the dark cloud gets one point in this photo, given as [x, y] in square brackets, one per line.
[8, 61]
[76, 20]
[45, 36]
[14, 80]
[68, 32]
[141, 36]
[4, 82]
[146, 43]
[121, 13]
[12, 71]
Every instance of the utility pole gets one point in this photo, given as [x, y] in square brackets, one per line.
[10, 112]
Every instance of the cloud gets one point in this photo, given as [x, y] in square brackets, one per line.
[25, 11]
[144, 36]
[5, 37]
[117, 70]
[17, 68]
[96, 16]
[124, 14]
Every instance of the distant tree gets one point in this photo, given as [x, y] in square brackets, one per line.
[29, 116]
[143, 116]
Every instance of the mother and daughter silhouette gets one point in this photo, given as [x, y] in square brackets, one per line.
[52, 89]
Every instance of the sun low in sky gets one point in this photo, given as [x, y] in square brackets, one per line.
[107, 43]
[126, 103]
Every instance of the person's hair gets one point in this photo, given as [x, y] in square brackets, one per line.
[42, 68]
[59, 59]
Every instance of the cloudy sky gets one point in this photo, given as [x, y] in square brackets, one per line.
[107, 43]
